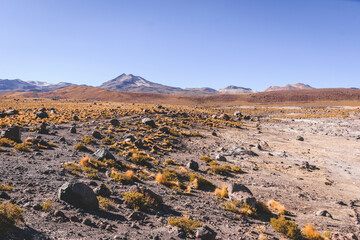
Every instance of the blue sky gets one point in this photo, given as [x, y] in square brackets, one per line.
[183, 43]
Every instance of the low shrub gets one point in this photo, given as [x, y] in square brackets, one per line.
[184, 223]
[310, 232]
[46, 206]
[10, 214]
[287, 227]
[106, 204]
[135, 200]
[276, 206]
[223, 192]
[6, 187]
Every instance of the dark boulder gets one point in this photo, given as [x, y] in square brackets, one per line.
[79, 195]
[12, 133]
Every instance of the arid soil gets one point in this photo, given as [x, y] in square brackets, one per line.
[318, 172]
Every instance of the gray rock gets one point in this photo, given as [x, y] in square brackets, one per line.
[224, 117]
[102, 190]
[149, 122]
[136, 216]
[79, 195]
[97, 135]
[41, 115]
[102, 154]
[12, 133]
[237, 114]
[323, 213]
[130, 138]
[299, 138]
[11, 112]
[76, 118]
[220, 157]
[73, 129]
[193, 165]
[115, 122]
[164, 129]
[241, 193]
[205, 233]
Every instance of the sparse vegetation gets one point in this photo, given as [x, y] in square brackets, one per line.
[185, 223]
[287, 227]
[46, 206]
[135, 200]
[221, 192]
[310, 232]
[106, 203]
[10, 214]
[6, 187]
[276, 206]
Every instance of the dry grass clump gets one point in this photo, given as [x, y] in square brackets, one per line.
[287, 227]
[206, 159]
[276, 206]
[5, 142]
[200, 182]
[185, 223]
[22, 147]
[10, 214]
[81, 147]
[136, 200]
[223, 192]
[169, 178]
[310, 232]
[88, 140]
[6, 187]
[140, 158]
[106, 204]
[237, 169]
[46, 206]
[124, 178]
[170, 162]
[72, 167]
[219, 169]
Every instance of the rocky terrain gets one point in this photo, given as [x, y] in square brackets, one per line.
[104, 170]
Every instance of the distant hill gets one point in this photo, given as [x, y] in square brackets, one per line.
[124, 82]
[235, 89]
[131, 83]
[298, 86]
[18, 85]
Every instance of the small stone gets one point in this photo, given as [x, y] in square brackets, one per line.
[88, 222]
[193, 165]
[115, 122]
[73, 129]
[323, 213]
[136, 216]
[97, 135]
[37, 207]
[205, 233]
[59, 213]
[103, 191]
[4, 195]
[300, 138]
[149, 122]
[220, 157]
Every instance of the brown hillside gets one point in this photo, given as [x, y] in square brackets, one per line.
[320, 97]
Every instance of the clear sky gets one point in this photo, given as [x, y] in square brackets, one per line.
[183, 43]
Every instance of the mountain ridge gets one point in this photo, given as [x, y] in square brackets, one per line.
[123, 82]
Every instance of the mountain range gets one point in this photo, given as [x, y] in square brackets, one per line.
[131, 83]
